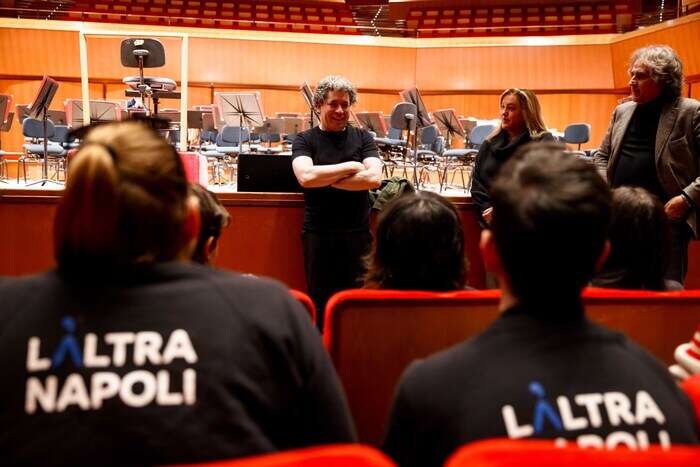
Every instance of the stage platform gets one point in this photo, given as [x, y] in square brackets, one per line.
[264, 237]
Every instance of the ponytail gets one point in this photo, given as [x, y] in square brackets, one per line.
[87, 219]
[124, 203]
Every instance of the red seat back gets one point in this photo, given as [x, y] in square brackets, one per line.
[658, 321]
[306, 301]
[543, 453]
[372, 336]
[691, 386]
[341, 455]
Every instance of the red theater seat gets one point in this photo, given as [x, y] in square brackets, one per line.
[542, 453]
[373, 335]
[306, 301]
[342, 455]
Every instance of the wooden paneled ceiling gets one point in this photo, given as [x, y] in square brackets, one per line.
[400, 18]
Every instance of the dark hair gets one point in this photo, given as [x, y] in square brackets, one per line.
[550, 219]
[639, 237]
[419, 246]
[213, 218]
[125, 201]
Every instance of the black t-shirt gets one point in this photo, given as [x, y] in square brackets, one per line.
[329, 209]
[528, 377]
[636, 165]
[178, 363]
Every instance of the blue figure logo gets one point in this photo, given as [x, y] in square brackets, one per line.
[68, 345]
[543, 409]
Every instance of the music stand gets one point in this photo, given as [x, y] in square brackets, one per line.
[293, 125]
[5, 125]
[100, 112]
[373, 121]
[448, 123]
[413, 96]
[5, 114]
[243, 108]
[308, 96]
[208, 121]
[39, 109]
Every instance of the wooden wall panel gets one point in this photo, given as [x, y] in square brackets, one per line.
[196, 96]
[39, 52]
[287, 63]
[695, 90]
[369, 102]
[559, 110]
[23, 92]
[274, 100]
[683, 38]
[104, 58]
[537, 67]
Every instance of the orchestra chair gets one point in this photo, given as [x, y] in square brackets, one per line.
[691, 386]
[394, 147]
[33, 132]
[544, 453]
[373, 335]
[334, 455]
[465, 159]
[430, 148]
[577, 133]
[306, 301]
[223, 154]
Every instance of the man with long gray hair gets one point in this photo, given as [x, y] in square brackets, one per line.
[335, 164]
[653, 142]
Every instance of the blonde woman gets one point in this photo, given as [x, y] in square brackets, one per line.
[521, 123]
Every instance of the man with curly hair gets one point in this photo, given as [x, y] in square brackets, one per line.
[336, 164]
[653, 142]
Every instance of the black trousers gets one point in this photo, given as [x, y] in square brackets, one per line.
[333, 262]
[677, 267]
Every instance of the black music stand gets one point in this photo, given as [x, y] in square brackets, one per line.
[5, 114]
[5, 125]
[308, 96]
[39, 109]
[373, 121]
[413, 96]
[448, 123]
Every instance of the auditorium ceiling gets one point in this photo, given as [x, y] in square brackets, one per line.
[398, 18]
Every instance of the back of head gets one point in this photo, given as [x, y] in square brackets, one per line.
[419, 246]
[550, 219]
[638, 240]
[213, 218]
[124, 203]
